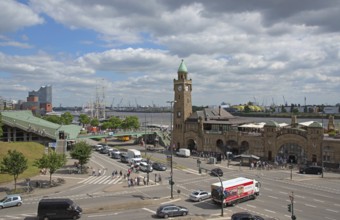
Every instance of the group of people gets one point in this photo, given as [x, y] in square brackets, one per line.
[260, 165]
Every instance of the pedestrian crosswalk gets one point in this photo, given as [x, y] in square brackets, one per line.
[188, 170]
[102, 180]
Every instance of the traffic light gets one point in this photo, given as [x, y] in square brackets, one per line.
[293, 217]
[289, 207]
[171, 182]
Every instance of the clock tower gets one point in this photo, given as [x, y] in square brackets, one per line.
[182, 106]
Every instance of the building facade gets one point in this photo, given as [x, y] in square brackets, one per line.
[39, 101]
[216, 130]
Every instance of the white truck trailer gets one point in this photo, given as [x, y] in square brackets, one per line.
[235, 190]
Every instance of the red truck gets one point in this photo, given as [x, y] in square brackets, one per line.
[235, 190]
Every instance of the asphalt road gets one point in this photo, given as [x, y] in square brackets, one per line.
[104, 197]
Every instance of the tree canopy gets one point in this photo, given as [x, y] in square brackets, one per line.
[51, 161]
[14, 163]
[81, 152]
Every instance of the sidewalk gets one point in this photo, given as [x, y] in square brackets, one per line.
[41, 183]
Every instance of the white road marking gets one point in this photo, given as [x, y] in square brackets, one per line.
[313, 206]
[317, 200]
[149, 210]
[273, 197]
[331, 210]
[174, 200]
[252, 206]
[269, 211]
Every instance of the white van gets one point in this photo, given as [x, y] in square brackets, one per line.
[183, 152]
[134, 156]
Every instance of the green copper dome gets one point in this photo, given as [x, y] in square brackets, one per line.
[182, 67]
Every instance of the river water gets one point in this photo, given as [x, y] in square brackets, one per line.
[165, 118]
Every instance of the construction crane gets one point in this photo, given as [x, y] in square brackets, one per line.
[121, 100]
[284, 101]
[113, 100]
[255, 103]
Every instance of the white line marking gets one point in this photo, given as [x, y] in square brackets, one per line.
[170, 201]
[149, 210]
[310, 205]
[270, 197]
[269, 211]
[331, 210]
[318, 200]
[252, 206]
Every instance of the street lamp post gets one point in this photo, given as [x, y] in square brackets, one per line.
[171, 152]
[222, 195]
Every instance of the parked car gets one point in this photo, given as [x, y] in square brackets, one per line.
[199, 195]
[159, 166]
[115, 154]
[98, 147]
[216, 172]
[245, 216]
[145, 167]
[11, 200]
[171, 210]
[104, 150]
[124, 158]
[311, 170]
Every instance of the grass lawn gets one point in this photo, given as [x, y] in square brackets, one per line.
[31, 151]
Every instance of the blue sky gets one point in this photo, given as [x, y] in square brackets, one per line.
[235, 51]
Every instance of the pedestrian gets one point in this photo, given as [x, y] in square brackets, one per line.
[113, 174]
[116, 172]
[159, 178]
[155, 177]
[144, 181]
[121, 173]
[93, 172]
[99, 172]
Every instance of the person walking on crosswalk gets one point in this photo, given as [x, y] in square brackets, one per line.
[113, 174]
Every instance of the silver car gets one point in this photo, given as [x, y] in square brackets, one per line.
[11, 200]
[199, 195]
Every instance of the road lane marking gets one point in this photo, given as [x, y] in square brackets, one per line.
[149, 210]
[331, 210]
[269, 211]
[174, 200]
[313, 206]
[273, 197]
[252, 206]
[330, 218]
[337, 204]
[330, 197]
[299, 196]
[317, 200]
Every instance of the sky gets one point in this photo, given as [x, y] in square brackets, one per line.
[128, 52]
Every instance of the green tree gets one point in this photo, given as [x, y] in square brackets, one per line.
[1, 131]
[84, 119]
[14, 163]
[81, 152]
[51, 161]
[106, 125]
[247, 109]
[94, 122]
[115, 122]
[53, 118]
[130, 122]
[66, 118]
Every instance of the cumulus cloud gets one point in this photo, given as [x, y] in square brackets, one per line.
[234, 50]
[15, 16]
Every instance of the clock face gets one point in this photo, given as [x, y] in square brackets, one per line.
[179, 88]
[186, 88]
